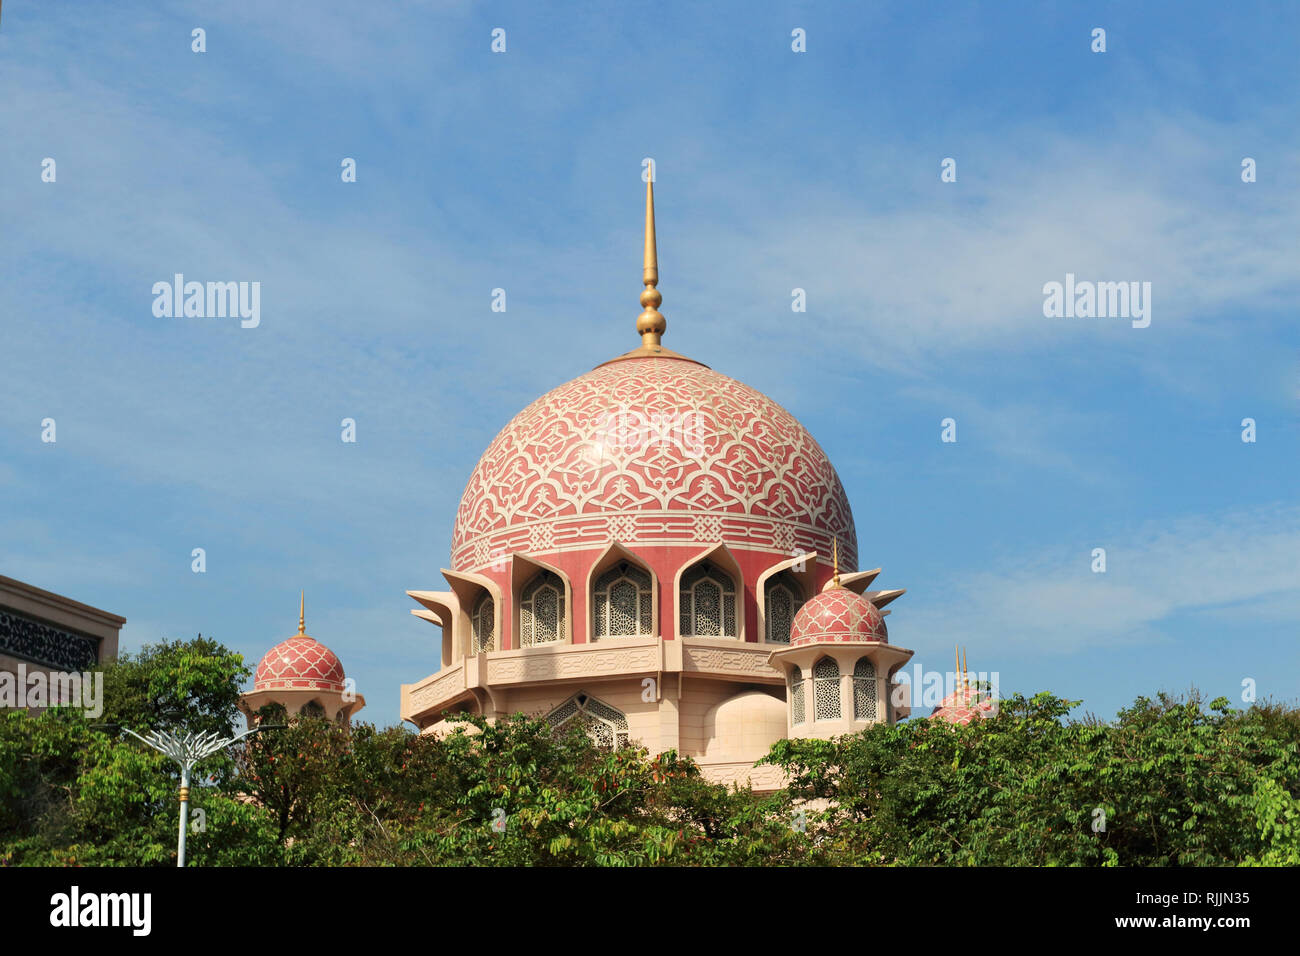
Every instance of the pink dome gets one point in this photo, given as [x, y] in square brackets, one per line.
[838, 614]
[962, 706]
[652, 450]
[300, 663]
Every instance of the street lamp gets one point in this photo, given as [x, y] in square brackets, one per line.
[187, 750]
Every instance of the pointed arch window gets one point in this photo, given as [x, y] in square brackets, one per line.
[796, 695]
[623, 602]
[541, 610]
[483, 623]
[781, 602]
[864, 690]
[605, 725]
[707, 602]
[826, 689]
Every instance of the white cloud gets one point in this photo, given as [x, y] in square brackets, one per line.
[1054, 603]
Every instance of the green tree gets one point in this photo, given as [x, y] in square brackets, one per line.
[191, 684]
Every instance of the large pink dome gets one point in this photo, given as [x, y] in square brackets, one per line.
[652, 450]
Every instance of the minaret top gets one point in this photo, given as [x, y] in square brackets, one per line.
[302, 613]
[650, 324]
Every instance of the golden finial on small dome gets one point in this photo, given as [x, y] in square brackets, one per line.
[835, 559]
[650, 323]
[302, 613]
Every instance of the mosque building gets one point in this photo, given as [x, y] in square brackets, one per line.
[654, 548]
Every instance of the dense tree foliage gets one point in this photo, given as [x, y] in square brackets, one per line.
[1170, 782]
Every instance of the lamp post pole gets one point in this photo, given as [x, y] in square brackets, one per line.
[187, 750]
[185, 815]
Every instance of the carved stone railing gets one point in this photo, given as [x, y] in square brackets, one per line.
[609, 658]
[434, 691]
[574, 661]
[730, 658]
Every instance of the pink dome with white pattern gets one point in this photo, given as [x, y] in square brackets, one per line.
[963, 706]
[652, 451]
[300, 663]
[837, 615]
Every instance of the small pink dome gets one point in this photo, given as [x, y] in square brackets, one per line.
[838, 614]
[962, 706]
[300, 663]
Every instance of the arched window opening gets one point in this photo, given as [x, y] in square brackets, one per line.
[708, 603]
[864, 690]
[606, 726]
[781, 602]
[826, 689]
[623, 602]
[541, 610]
[312, 708]
[796, 696]
[484, 623]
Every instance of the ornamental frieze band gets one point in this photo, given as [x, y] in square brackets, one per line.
[46, 644]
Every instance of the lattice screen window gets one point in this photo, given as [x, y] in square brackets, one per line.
[606, 726]
[781, 604]
[623, 602]
[708, 603]
[826, 689]
[541, 611]
[864, 690]
[483, 622]
[796, 696]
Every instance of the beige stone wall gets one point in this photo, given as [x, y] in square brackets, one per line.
[700, 697]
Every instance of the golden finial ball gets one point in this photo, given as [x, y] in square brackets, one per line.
[650, 321]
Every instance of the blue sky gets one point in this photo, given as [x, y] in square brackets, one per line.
[776, 170]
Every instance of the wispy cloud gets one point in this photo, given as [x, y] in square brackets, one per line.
[1053, 603]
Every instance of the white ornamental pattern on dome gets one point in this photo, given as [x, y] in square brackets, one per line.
[630, 446]
[299, 662]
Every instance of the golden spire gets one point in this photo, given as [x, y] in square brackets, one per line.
[964, 672]
[956, 659]
[302, 616]
[650, 323]
[835, 559]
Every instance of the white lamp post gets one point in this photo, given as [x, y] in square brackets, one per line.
[187, 750]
